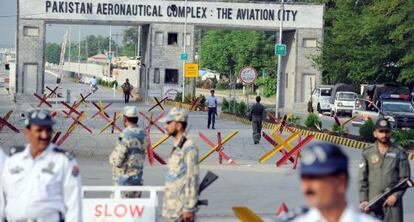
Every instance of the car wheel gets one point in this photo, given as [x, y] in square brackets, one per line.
[318, 108]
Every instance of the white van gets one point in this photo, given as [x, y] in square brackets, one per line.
[320, 98]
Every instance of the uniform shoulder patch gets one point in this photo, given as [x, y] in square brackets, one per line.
[70, 155]
[16, 149]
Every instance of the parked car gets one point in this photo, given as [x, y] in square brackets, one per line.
[320, 98]
[399, 112]
[342, 99]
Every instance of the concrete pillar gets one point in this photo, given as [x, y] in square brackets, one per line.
[30, 57]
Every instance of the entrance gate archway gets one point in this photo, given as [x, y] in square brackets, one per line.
[303, 32]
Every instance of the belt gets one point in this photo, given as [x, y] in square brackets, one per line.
[57, 217]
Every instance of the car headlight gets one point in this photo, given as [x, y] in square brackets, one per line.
[390, 118]
[339, 104]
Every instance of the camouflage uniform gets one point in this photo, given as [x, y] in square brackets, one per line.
[128, 159]
[181, 186]
[182, 180]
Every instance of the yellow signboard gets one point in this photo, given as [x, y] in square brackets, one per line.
[191, 70]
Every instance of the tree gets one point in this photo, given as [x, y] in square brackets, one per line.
[368, 41]
[52, 53]
[130, 41]
[90, 46]
[229, 51]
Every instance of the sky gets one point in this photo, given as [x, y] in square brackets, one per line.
[54, 33]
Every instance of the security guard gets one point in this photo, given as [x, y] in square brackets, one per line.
[383, 165]
[257, 115]
[41, 182]
[128, 156]
[324, 182]
[181, 185]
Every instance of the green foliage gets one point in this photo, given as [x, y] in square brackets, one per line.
[340, 129]
[202, 99]
[129, 41]
[293, 120]
[312, 121]
[405, 138]
[229, 51]
[178, 97]
[52, 53]
[90, 46]
[267, 85]
[366, 130]
[225, 105]
[222, 85]
[242, 108]
[368, 42]
[233, 105]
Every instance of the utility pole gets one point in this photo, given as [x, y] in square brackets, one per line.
[109, 53]
[79, 48]
[185, 43]
[279, 59]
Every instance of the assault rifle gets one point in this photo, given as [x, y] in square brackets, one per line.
[208, 179]
[378, 200]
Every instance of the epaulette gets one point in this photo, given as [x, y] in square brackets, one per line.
[70, 155]
[292, 214]
[16, 149]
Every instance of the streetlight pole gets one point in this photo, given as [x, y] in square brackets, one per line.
[184, 47]
[279, 59]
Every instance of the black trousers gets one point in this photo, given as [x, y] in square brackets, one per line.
[126, 97]
[211, 116]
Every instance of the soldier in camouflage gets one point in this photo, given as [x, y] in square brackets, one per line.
[383, 165]
[181, 185]
[128, 156]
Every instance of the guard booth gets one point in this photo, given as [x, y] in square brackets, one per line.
[105, 204]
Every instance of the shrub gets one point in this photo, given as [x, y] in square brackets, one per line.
[366, 130]
[225, 105]
[242, 108]
[404, 138]
[339, 129]
[313, 121]
[202, 99]
[178, 97]
[222, 85]
[267, 85]
[233, 105]
[293, 120]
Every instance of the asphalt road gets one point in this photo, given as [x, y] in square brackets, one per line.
[261, 187]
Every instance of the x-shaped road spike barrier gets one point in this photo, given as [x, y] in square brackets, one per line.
[152, 122]
[294, 151]
[106, 117]
[275, 144]
[4, 122]
[76, 122]
[82, 99]
[282, 123]
[194, 103]
[160, 141]
[282, 209]
[345, 122]
[158, 104]
[72, 109]
[52, 91]
[150, 149]
[101, 109]
[42, 99]
[281, 144]
[217, 146]
[112, 123]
